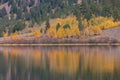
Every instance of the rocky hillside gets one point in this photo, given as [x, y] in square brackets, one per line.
[113, 33]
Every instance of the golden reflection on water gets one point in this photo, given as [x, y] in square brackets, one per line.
[64, 60]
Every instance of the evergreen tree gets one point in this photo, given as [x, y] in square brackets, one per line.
[47, 25]
[3, 12]
[78, 14]
[57, 26]
[66, 26]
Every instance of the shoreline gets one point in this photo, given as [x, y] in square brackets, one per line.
[65, 44]
[49, 41]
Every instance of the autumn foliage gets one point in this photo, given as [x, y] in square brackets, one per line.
[95, 25]
[92, 27]
[34, 32]
[14, 36]
[5, 34]
[68, 27]
[37, 33]
[92, 30]
[102, 22]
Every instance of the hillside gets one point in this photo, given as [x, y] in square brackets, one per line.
[58, 18]
[113, 33]
[66, 30]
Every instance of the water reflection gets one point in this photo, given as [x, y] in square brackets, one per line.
[60, 63]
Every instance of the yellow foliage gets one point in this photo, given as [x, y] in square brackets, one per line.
[37, 33]
[85, 23]
[61, 33]
[75, 31]
[68, 32]
[68, 20]
[109, 24]
[92, 27]
[52, 32]
[101, 22]
[92, 30]
[95, 25]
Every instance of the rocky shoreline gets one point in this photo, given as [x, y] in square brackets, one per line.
[50, 40]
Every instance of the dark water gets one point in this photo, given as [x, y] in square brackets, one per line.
[60, 63]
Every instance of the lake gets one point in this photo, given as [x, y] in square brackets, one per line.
[60, 63]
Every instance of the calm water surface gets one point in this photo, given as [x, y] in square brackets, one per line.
[60, 63]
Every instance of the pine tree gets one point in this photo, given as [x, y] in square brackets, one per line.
[47, 25]
[57, 26]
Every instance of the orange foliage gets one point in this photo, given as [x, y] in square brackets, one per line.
[5, 35]
[37, 33]
[14, 36]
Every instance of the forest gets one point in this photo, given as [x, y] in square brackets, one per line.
[58, 18]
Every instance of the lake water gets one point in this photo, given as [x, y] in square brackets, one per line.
[60, 63]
